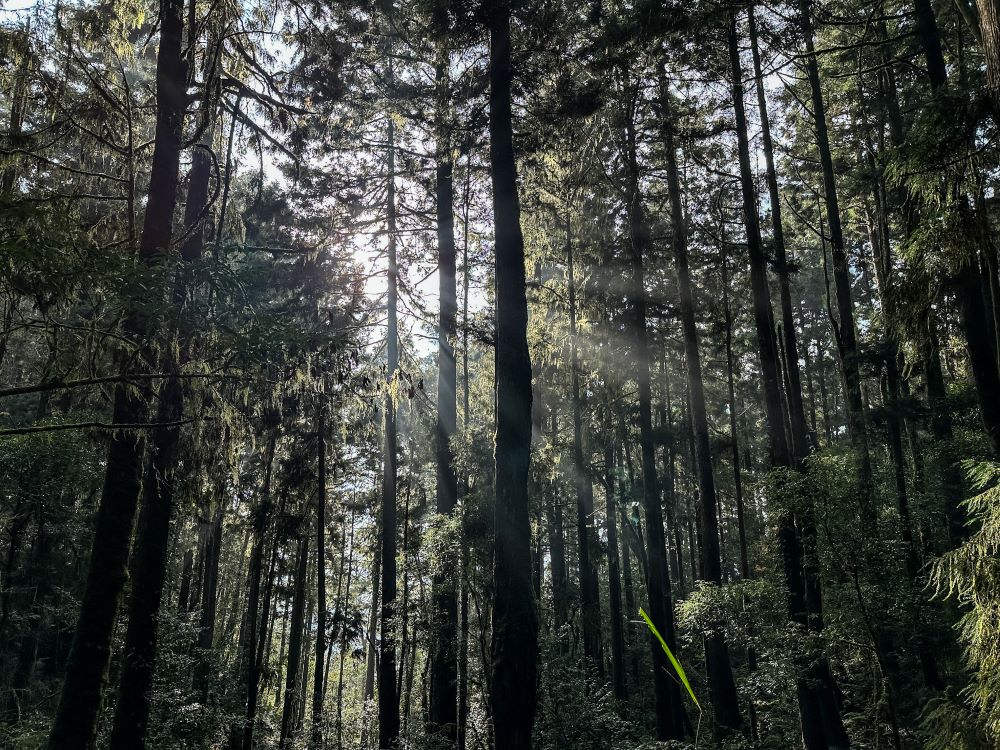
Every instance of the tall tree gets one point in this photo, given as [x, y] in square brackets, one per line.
[514, 646]
[669, 713]
[75, 722]
[722, 686]
[444, 667]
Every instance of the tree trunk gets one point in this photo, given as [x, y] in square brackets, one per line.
[371, 646]
[590, 604]
[845, 330]
[733, 422]
[209, 601]
[514, 647]
[388, 698]
[148, 573]
[75, 722]
[796, 417]
[316, 735]
[614, 575]
[669, 712]
[443, 718]
[722, 686]
[249, 664]
[296, 632]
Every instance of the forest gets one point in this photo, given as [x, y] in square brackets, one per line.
[500, 374]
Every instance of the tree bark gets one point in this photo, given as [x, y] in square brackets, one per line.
[514, 647]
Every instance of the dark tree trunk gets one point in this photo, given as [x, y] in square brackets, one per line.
[669, 712]
[292, 695]
[630, 603]
[930, 40]
[463, 647]
[793, 394]
[590, 604]
[722, 686]
[444, 679]
[343, 637]
[614, 574]
[763, 319]
[733, 422]
[209, 602]
[820, 719]
[388, 697]
[249, 664]
[981, 346]
[316, 735]
[149, 566]
[845, 331]
[148, 573]
[371, 646]
[75, 722]
[514, 647]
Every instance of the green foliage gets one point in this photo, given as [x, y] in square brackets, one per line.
[970, 574]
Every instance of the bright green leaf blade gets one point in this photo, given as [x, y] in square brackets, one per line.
[673, 660]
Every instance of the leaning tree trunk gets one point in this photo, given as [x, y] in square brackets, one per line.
[443, 714]
[75, 722]
[722, 686]
[514, 646]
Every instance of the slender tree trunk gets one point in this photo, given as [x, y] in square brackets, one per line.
[590, 604]
[514, 647]
[316, 735]
[443, 717]
[202, 681]
[796, 417]
[463, 647]
[343, 639]
[669, 712]
[292, 695]
[614, 574]
[75, 722]
[845, 330]
[722, 686]
[733, 422]
[371, 646]
[388, 697]
[250, 666]
[630, 603]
